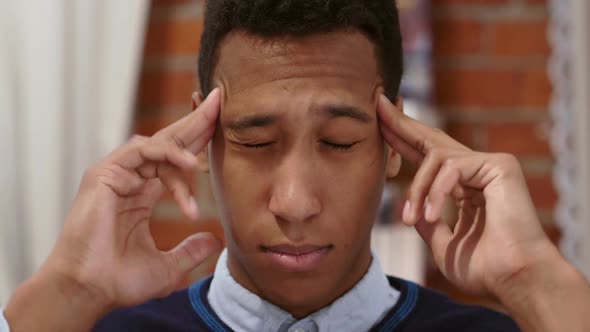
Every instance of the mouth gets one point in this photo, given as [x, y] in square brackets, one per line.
[291, 258]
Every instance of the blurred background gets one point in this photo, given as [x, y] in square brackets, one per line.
[79, 77]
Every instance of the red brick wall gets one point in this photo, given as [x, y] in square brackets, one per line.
[490, 76]
[492, 86]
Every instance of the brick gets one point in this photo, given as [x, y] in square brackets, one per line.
[169, 233]
[542, 191]
[464, 133]
[493, 88]
[452, 37]
[469, 134]
[149, 124]
[519, 38]
[553, 232]
[522, 139]
[173, 37]
[166, 88]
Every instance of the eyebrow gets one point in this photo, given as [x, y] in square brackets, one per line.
[330, 111]
[253, 121]
[338, 111]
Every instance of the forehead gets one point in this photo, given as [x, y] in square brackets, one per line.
[339, 65]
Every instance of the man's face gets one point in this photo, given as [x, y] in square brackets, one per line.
[298, 163]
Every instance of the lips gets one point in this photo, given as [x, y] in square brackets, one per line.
[294, 250]
[293, 258]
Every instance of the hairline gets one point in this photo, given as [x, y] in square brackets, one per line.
[216, 56]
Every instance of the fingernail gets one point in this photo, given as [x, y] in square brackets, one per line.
[212, 94]
[386, 101]
[406, 212]
[210, 97]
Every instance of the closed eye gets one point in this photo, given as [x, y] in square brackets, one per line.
[339, 147]
[257, 146]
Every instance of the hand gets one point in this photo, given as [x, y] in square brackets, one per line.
[106, 257]
[497, 234]
[106, 245]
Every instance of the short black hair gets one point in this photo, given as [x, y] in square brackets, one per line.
[377, 19]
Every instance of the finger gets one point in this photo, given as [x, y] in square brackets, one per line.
[419, 187]
[168, 152]
[190, 133]
[122, 181]
[177, 183]
[196, 129]
[122, 153]
[453, 172]
[189, 254]
[416, 134]
[141, 204]
[437, 236]
[140, 152]
[402, 147]
[423, 181]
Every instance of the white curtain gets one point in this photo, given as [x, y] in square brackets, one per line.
[68, 72]
[569, 70]
[581, 104]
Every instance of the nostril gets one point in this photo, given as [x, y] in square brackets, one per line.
[294, 209]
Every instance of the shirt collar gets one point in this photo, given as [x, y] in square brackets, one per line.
[358, 310]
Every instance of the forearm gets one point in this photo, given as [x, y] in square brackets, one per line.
[549, 298]
[49, 305]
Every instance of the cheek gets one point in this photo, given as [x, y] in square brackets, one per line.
[237, 186]
[362, 171]
[355, 189]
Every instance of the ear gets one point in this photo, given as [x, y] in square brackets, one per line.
[394, 159]
[196, 100]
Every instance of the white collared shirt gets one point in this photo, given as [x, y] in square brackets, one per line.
[3, 323]
[359, 309]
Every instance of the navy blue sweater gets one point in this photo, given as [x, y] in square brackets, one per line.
[418, 309]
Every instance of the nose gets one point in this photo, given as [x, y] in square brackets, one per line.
[293, 197]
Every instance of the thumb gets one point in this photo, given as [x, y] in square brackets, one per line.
[189, 254]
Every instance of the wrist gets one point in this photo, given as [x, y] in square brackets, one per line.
[71, 277]
[536, 271]
[544, 289]
[54, 302]
[75, 290]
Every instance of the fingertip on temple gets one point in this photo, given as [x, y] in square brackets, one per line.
[384, 103]
[212, 104]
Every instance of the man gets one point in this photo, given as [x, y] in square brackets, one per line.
[302, 137]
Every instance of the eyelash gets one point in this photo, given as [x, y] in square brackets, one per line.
[337, 147]
[258, 146]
